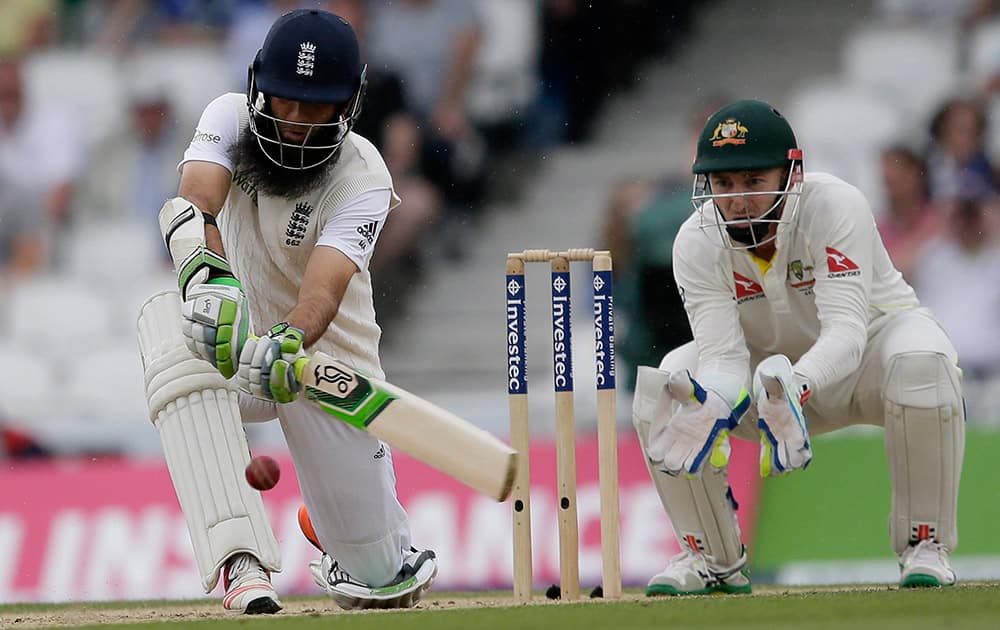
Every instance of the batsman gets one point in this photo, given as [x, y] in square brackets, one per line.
[279, 208]
[801, 326]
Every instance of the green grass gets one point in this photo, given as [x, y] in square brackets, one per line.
[838, 509]
[964, 606]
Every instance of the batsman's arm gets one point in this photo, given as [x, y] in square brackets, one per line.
[344, 247]
[187, 223]
[324, 283]
[215, 310]
[271, 366]
[429, 433]
[206, 185]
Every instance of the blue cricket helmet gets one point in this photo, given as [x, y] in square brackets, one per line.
[310, 56]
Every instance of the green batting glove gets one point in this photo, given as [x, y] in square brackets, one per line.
[271, 366]
[217, 322]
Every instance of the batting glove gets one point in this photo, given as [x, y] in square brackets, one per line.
[698, 431]
[271, 366]
[216, 322]
[784, 433]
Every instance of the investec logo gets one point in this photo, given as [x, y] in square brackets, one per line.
[604, 333]
[515, 335]
[561, 348]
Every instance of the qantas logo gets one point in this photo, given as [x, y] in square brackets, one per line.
[840, 265]
[746, 289]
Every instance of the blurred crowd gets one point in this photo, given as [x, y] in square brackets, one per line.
[99, 98]
[456, 87]
[937, 207]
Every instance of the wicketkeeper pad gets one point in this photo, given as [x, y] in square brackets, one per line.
[925, 443]
[197, 414]
[702, 510]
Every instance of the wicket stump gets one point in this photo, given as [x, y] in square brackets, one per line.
[607, 432]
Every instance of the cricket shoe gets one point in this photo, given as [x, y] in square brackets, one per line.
[248, 587]
[689, 574]
[925, 564]
[416, 576]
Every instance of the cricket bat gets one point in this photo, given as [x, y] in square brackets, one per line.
[405, 421]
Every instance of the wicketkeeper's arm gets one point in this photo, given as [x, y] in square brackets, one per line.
[707, 293]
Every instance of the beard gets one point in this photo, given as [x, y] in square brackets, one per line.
[250, 162]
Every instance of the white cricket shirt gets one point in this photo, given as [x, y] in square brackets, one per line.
[268, 240]
[829, 282]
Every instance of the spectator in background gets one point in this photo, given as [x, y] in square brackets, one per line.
[910, 219]
[432, 46]
[140, 160]
[934, 12]
[40, 145]
[26, 25]
[119, 25]
[387, 123]
[22, 238]
[957, 161]
[958, 280]
[590, 49]
[181, 21]
[246, 34]
[505, 77]
[640, 230]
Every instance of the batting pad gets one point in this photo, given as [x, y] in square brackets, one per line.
[197, 414]
[702, 510]
[925, 443]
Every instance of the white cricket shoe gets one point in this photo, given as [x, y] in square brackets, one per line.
[925, 564]
[248, 587]
[688, 573]
[416, 576]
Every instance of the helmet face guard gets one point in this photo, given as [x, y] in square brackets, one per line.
[321, 141]
[308, 56]
[747, 135]
[749, 233]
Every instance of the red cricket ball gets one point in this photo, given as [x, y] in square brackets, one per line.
[263, 472]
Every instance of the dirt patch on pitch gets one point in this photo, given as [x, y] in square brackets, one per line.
[37, 616]
[100, 614]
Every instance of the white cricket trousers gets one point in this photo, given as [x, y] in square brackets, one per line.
[349, 487]
[857, 399]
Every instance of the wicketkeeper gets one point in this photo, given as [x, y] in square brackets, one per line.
[801, 326]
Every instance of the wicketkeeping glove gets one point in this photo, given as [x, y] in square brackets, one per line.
[698, 431]
[271, 366]
[784, 433]
[217, 322]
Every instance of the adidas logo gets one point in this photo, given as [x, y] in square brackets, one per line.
[367, 231]
[380, 453]
[839, 265]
